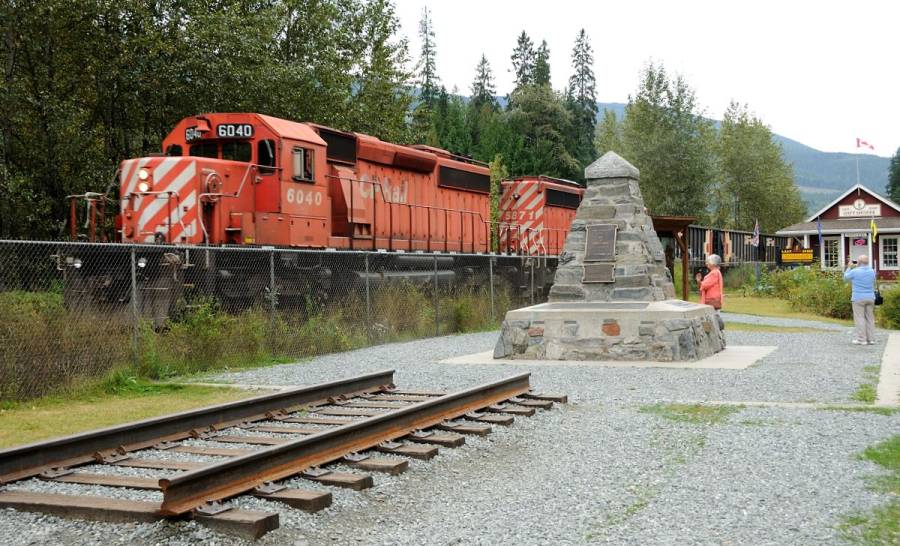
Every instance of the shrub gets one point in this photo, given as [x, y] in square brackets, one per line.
[825, 294]
[784, 282]
[889, 313]
[201, 338]
[739, 276]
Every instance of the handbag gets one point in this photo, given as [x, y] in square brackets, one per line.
[878, 299]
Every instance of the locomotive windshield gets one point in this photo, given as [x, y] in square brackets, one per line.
[230, 150]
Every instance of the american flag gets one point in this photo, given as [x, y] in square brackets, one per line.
[755, 240]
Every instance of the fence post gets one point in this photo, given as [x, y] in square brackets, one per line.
[368, 302]
[135, 318]
[491, 283]
[437, 314]
[272, 301]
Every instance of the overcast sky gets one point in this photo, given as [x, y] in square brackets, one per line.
[822, 73]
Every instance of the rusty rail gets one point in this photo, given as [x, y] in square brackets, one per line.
[32, 459]
[184, 493]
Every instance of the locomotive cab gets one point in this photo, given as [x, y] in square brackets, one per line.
[229, 179]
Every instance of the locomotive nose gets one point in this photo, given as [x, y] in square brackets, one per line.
[159, 196]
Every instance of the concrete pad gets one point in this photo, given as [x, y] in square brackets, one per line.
[888, 393]
[735, 357]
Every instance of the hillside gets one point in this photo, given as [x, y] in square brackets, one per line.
[821, 176]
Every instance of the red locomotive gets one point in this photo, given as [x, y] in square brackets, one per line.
[252, 179]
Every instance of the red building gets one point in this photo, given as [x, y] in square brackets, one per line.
[846, 231]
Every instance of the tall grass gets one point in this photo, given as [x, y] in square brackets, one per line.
[46, 348]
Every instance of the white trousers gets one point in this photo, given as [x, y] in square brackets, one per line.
[864, 319]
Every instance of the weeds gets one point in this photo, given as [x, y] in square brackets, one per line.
[866, 392]
[881, 525]
[47, 348]
[697, 414]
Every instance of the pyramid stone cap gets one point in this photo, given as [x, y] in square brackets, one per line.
[611, 165]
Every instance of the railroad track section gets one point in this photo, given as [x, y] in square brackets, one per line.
[250, 447]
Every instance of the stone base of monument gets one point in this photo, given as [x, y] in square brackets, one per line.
[663, 331]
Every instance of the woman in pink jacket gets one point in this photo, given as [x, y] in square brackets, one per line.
[712, 287]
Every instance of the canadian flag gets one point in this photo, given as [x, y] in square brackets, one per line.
[860, 143]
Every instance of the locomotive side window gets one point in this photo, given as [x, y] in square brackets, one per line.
[205, 149]
[174, 150]
[236, 151]
[265, 156]
[303, 164]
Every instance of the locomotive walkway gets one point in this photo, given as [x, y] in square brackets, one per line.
[762, 455]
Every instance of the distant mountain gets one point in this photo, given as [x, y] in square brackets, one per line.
[821, 176]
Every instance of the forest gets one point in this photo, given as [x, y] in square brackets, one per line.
[88, 83]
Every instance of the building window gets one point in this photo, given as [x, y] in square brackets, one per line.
[889, 257]
[303, 164]
[831, 257]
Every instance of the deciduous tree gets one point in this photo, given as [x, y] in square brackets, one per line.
[665, 135]
[756, 182]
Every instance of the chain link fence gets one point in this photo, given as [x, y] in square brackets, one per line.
[73, 312]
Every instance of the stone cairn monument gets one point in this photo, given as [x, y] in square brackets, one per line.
[612, 297]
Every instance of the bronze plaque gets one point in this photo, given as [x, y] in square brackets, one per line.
[600, 243]
[599, 273]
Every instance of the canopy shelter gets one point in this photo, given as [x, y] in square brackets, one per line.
[675, 227]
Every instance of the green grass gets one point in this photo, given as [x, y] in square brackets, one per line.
[698, 414]
[877, 410]
[866, 392]
[748, 327]
[881, 525]
[130, 400]
[735, 302]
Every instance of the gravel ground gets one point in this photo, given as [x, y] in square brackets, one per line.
[597, 470]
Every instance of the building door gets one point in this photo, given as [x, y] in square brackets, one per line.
[857, 245]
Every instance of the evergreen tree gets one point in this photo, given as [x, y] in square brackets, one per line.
[893, 187]
[381, 104]
[539, 116]
[756, 182]
[582, 99]
[456, 137]
[541, 74]
[483, 87]
[523, 59]
[668, 139]
[428, 78]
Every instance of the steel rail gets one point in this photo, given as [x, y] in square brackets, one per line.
[236, 476]
[32, 459]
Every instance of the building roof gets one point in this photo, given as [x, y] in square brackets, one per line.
[853, 188]
[885, 224]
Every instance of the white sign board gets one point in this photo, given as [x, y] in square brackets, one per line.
[859, 209]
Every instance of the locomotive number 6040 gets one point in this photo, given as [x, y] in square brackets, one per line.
[234, 130]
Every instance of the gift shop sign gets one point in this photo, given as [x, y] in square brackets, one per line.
[859, 209]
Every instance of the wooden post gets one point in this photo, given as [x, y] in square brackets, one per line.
[685, 274]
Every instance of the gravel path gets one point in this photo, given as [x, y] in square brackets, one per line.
[601, 469]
